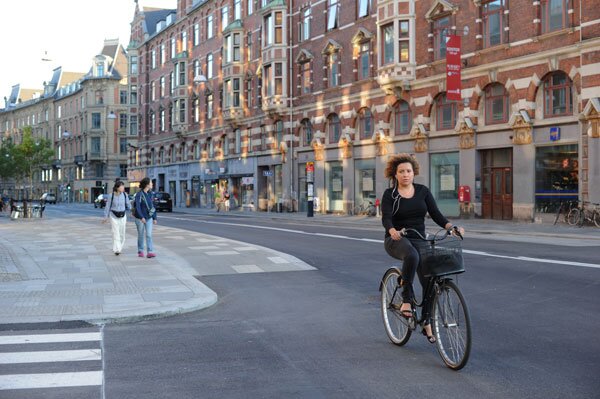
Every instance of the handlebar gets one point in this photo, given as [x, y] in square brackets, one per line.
[452, 230]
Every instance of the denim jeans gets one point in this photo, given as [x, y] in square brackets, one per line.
[144, 229]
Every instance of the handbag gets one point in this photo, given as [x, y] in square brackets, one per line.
[118, 214]
[150, 210]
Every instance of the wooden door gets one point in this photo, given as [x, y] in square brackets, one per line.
[507, 195]
[486, 195]
[502, 190]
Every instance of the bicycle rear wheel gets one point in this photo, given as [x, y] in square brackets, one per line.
[451, 325]
[396, 326]
[573, 216]
[596, 217]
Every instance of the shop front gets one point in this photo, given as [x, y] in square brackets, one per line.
[364, 181]
[444, 179]
[334, 178]
[556, 176]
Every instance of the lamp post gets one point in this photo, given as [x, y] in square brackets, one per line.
[65, 135]
[111, 116]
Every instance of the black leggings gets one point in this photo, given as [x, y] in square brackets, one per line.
[405, 250]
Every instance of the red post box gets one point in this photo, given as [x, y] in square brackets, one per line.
[464, 194]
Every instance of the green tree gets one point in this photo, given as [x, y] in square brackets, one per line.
[30, 155]
[7, 167]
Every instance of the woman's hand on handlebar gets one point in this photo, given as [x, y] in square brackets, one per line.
[457, 231]
[395, 234]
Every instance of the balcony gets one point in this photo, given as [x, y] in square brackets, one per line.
[79, 159]
[95, 156]
[233, 115]
[57, 164]
[274, 105]
[395, 78]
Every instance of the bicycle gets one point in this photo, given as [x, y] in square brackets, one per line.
[580, 214]
[450, 321]
[564, 209]
[366, 208]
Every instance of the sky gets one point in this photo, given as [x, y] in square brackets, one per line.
[68, 32]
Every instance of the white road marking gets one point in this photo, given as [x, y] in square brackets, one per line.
[247, 269]
[277, 259]
[48, 338]
[480, 253]
[50, 380]
[50, 356]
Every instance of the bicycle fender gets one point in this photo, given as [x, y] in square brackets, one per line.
[393, 268]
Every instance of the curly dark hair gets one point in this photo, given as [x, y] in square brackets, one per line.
[395, 160]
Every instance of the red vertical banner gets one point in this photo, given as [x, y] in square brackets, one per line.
[453, 65]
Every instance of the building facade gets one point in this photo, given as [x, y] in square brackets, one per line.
[241, 95]
[86, 118]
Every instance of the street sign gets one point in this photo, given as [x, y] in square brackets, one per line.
[267, 173]
[453, 66]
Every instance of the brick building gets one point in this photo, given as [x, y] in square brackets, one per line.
[241, 95]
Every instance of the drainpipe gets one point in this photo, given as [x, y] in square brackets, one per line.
[291, 107]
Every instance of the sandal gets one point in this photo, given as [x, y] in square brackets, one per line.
[430, 338]
[406, 313]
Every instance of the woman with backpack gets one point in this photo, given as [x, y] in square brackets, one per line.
[145, 217]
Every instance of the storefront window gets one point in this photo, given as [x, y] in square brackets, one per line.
[444, 182]
[302, 199]
[335, 193]
[248, 192]
[556, 176]
[364, 189]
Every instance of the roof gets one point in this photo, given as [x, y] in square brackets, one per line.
[151, 18]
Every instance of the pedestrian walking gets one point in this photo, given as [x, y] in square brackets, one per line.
[226, 199]
[116, 211]
[145, 217]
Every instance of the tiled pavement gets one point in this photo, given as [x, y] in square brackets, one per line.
[59, 269]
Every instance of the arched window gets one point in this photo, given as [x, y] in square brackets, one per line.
[445, 113]
[161, 155]
[402, 118]
[334, 128]
[171, 153]
[225, 145]
[184, 153]
[496, 104]
[210, 147]
[152, 157]
[238, 140]
[306, 132]
[196, 149]
[278, 133]
[365, 123]
[558, 98]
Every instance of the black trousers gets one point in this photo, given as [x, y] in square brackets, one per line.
[405, 250]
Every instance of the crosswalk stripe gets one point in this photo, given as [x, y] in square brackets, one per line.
[49, 338]
[50, 380]
[50, 356]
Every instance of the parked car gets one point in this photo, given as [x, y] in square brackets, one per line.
[163, 202]
[100, 201]
[48, 198]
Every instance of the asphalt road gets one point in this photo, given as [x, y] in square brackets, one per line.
[319, 334]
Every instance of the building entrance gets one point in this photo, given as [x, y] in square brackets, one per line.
[497, 187]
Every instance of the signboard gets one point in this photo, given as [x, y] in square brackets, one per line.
[453, 65]
[310, 172]
[267, 173]
[554, 133]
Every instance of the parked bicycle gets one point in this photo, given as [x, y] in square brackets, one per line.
[441, 258]
[564, 209]
[366, 208]
[581, 214]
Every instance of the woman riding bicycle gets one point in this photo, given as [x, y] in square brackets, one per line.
[403, 206]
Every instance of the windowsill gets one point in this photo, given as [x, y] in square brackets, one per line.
[553, 33]
[436, 63]
[493, 48]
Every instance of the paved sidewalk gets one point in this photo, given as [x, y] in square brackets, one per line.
[61, 269]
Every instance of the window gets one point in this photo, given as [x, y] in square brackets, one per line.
[249, 140]
[364, 8]
[440, 31]
[387, 43]
[224, 17]
[278, 79]
[332, 67]
[365, 123]
[99, 97]
[173, 47]
[209, 106]
[334, 128]
[554, 15]
[268, 30]
[184, 40]
[123, 145]
[249, 93]
[163, 54]
[307, 133]
[153, 59]
[180, 73]
[238, 141]
[96, 121]
[196, 106]
[196, 150]
[211, 148]
[99, 168]
[122, 98]
[305, 72]
[364, 60]
[133, 64]
[172, 82]
[496, 104]
[133, 95]
[161, 120]
[182, 111]
[209, 66]
[278, 133]
[232, 48]
[196, 68]
[250, 7]
[237, 9]
[402, 118]
[153, 91]
[493, 22]
[133, 125]
[267, 80]
[209, 26]
[446, 113]
[96, 145]
[161, 155]
[228, 93]
[332, 14]
[558, 98]
[100, 69]
[305, 24]
[404, 41]
[152, 122]
[278, 27]
[122, 121]
[236, 92]
[162, 86]
[196, 34]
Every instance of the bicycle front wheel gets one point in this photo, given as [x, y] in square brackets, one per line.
[573, 216]
[451, 325]
[396, 326]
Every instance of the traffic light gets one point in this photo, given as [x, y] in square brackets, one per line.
[69, 187]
